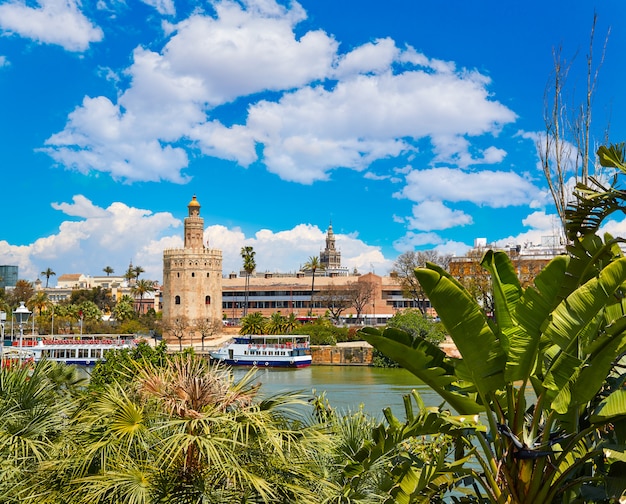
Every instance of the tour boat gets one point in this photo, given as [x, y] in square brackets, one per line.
[292, 351]
[81, 352]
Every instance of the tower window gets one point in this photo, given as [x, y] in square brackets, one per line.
[178, 274]
[177, 300]
[207, 275]
[207, 300]
[193, 274]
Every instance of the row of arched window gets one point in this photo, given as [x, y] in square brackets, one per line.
[193, 274]
[207, 300]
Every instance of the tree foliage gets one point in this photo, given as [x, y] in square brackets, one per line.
[403, 269]
[335, 299]
[249, 265]
[544, 373]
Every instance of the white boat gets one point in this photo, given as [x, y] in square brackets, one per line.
[81, 352]
[291, 351]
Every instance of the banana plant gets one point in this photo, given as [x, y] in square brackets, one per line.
[543, 374]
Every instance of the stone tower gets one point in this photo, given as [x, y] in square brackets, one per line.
[330, 257]
[192, 280]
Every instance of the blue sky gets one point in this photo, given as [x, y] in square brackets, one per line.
[408, 124]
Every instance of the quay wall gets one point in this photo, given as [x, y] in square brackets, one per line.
[327, 355]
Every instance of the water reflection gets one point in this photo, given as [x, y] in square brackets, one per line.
[347, 387]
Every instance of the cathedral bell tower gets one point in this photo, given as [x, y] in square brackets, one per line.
[330, 257]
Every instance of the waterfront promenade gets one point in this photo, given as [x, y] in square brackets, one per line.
[352, 353]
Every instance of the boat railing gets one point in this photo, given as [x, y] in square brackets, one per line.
[81, 342]
[295, 341]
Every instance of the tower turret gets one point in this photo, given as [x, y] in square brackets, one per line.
[194, 226]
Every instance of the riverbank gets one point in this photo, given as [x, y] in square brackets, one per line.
[352, 353]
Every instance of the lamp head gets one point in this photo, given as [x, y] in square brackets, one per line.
[21, 313]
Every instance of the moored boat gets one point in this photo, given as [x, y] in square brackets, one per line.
[84, 351]
[291, 351]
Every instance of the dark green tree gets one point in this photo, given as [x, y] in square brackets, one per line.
[249, 265]
[253, 324]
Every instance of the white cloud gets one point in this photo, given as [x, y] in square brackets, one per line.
[207, 62]
[243, 52]
[99, 137]
[82, 207]
[458, 249]
[540, 225]
[411, 241]
[373, 57]
[614, 227]
[332, 110]
[496, 189]
[100, 237]
[286, 251]
[310, 131]
[58, 22]
[434, 215]
[4, 62]
[165, 7]
[430, 241]
[118, 234]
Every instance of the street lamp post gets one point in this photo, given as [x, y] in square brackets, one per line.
[3, 319]
[21, 314]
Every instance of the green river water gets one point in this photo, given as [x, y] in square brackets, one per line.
[347, 387]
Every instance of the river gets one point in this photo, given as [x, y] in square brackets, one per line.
[346, 387]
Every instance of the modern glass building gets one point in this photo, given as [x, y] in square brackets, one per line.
[8, 276]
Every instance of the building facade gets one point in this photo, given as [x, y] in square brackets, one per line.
[528, 259]
[192, 277]
[8, 276]
[380, 297]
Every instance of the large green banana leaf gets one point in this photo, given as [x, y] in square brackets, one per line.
[483, 357]
[611, 408]
[424, 360]
[507, 290]
[568, 326]
[571, 316]
[532, 313]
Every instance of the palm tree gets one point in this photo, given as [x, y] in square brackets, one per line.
[247, 254]
[48, 273]
[187, 431]
[141, 288]
[138, 271]
[312, 265]
[130, 273]
[275, 324]
[291, 322]
[253, 324]
[36, 400]
[40, 301]
[108, 270]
